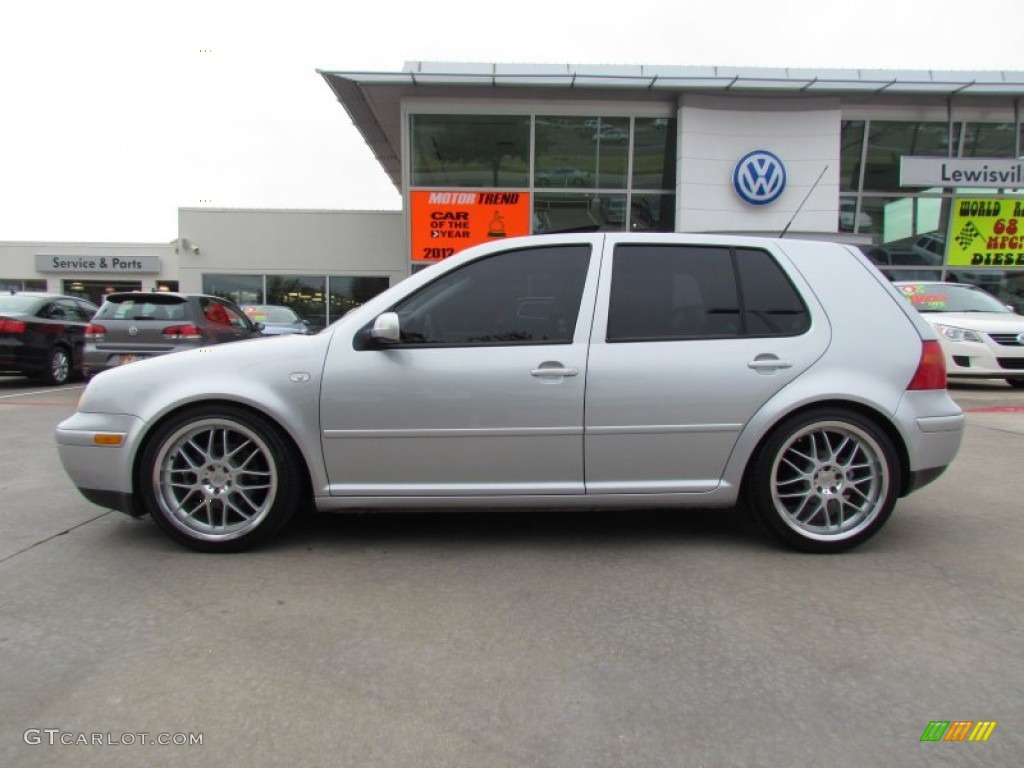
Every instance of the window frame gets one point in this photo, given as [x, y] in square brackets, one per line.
[736, 272]
[576, 294]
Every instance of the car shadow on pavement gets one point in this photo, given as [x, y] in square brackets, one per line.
[486, 529]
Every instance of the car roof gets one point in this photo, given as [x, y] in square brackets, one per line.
[41, 296]
[149, 295]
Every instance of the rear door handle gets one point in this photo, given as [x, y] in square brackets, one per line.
[765, 363]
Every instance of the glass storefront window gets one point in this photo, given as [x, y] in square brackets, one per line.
[851, 149]
[989, 140]
[584, 211]
[470, 150]
[888, 141]
[654, 153]
[896, 220]
[346, 293]
[241, 289]
[305, 294]
[652, 213]
[581, 152]
[24, 285]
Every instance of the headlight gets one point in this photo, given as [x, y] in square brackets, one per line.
[953, 333]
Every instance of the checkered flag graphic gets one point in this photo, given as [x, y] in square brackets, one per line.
[967, 234]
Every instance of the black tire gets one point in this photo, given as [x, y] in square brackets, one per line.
[1016, 383]
[58, 367]
[219, 478]
[824, 481]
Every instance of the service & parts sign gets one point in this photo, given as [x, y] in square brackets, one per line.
[444, 221]
[986, 232]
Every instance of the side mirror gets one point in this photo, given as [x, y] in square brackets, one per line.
[386, 328]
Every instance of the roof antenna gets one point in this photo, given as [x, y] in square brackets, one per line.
[802, 202]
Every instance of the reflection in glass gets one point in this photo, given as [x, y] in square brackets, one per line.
[896, 219]
[553, 212]
[654, 153]
[652, 213]
[581, 152]
[302, 293]
[889, 141]
[852, 144]
[347, 293]
[989, 140]
[470, 150]
[241, 289]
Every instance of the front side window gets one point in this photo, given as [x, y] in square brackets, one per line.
[526, 296]
[676, 292]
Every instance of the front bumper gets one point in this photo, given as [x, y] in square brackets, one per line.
[983, 361]
[102, 473]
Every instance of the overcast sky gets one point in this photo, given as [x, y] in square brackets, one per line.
[114, 114]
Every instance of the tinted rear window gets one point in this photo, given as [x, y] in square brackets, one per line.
[144, 308]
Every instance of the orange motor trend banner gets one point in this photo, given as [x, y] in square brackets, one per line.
[445, 221]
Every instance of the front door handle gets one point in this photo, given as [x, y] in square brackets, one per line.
[553, 369]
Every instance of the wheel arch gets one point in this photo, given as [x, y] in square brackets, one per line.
[153, 428]
[873, 415]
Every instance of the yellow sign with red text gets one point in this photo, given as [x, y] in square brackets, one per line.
[445, 221]
[986, 232]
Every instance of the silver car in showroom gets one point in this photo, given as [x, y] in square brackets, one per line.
[597, 370]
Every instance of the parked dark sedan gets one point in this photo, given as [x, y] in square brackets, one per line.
[42, 334]
[138, 325]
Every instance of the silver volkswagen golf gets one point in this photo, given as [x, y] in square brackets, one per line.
[594, 370]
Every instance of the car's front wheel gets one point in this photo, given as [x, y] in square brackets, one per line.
[825, 480]
[220, 478]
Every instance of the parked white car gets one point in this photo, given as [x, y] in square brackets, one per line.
[982, 338]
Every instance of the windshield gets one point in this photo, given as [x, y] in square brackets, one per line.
[17, 303]
[271, 314]
[944, 297]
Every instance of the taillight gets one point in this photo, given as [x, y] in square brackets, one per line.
[95, 332]
[931, 370]
[11, 326]
[182, 332]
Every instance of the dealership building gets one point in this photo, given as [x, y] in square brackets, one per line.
[922, 169]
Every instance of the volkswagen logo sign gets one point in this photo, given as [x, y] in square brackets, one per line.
[133, 331]
[759, 177]
[1020, 339]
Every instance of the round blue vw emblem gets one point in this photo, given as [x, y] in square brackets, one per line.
[759, 177]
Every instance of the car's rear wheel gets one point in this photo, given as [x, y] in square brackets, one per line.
[58, 367]
[825, 480]
[220, 478]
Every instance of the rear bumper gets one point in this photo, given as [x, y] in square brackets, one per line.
[932, 426]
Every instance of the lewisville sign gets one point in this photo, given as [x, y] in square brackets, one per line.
[982, 172]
